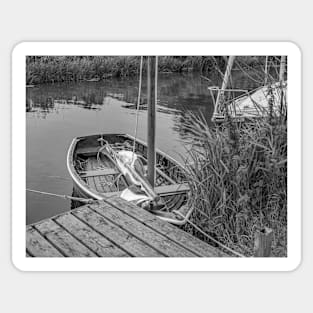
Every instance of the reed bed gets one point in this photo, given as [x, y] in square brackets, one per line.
[52, 69]
[238, 179]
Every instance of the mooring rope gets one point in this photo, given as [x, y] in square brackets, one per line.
[208, 236]
[138, 103]
[87, 201]
[59, 177]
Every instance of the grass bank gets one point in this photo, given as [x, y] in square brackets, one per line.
[52, 69]
[238, 176]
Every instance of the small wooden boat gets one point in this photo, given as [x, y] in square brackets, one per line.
[93, 163]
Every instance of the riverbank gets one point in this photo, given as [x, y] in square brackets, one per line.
[52, 69]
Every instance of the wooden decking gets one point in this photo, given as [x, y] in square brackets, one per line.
[112, 229]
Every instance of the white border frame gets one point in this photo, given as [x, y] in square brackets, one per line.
[23, 263]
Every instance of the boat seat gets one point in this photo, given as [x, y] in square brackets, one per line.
[88, 151]
[174, 189]
[99, 172]
[162, 191]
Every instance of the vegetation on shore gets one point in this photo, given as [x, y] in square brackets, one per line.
[52, 69]
[238, 177]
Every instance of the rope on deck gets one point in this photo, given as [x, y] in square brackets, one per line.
[87, 201]
[209, 237]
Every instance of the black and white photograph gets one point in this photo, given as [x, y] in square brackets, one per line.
[156, 156]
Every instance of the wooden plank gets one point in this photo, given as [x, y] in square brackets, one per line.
[38, 246]
[93, 240]
[168, 230]
[103, 171]
[122, 238]
[109, 179]
[88, 151]
[64, 241]
[90, 180]
[163, 191]
[146, 234]
[166, 190]
[101, 183]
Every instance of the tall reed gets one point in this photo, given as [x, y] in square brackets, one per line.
[239, 187]
[75, 68]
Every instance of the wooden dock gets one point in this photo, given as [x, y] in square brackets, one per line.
[114, 228]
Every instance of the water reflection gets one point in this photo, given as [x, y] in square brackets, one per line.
[177, 93]
[57, 113]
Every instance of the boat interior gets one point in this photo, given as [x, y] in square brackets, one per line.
[100, 173]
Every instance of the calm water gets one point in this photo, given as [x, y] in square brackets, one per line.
[58, 113]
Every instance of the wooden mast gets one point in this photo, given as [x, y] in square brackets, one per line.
[151, 82]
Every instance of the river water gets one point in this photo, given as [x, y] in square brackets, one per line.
[57, 113]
